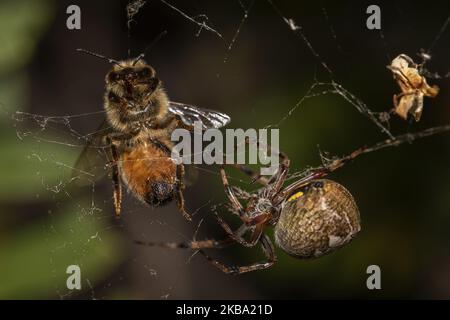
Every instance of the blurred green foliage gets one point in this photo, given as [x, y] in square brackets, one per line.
[34, 254]
[21, 25]
[34, 259]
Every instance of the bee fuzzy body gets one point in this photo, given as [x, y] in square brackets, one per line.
[150, 174]
[134, 96]
[137, 134]
[136, 106]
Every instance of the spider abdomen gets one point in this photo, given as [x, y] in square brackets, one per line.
[317, 219]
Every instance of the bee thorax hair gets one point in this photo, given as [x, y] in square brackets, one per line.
[134, 96]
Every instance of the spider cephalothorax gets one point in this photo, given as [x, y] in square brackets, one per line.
[259, 209]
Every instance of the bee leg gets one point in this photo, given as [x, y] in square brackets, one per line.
[116, 181]
[117, 192]
[179, 193]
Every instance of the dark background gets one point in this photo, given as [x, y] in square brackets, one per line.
[47, 223]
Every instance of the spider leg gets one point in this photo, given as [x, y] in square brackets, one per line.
[237, 237]
[283, 160]
[252, 174]
[256, 177]
[193, 245]
[268, 250]
[241, 194]
[179, 192]
[280, 177]
[314, 175]
[323, 171]
[237, 206]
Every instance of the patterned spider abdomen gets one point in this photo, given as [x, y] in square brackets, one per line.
[317, 219]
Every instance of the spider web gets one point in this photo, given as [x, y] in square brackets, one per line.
[63, 131]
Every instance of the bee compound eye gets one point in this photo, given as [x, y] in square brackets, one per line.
[153, 83]
[113, 97]
[113, 77]
[146, 72]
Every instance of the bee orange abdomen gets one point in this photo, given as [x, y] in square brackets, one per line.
[150, 174]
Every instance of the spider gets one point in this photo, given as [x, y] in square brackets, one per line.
[312, 216]
[413, 86]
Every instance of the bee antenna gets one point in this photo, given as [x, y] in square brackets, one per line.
[152, 44]
[99, 56]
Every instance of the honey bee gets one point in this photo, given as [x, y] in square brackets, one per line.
[413, 85]
[136, 136]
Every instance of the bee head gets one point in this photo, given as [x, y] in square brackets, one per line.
[130, 72]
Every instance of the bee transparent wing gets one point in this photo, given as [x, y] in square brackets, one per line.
[91, 164]
[190, 114]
